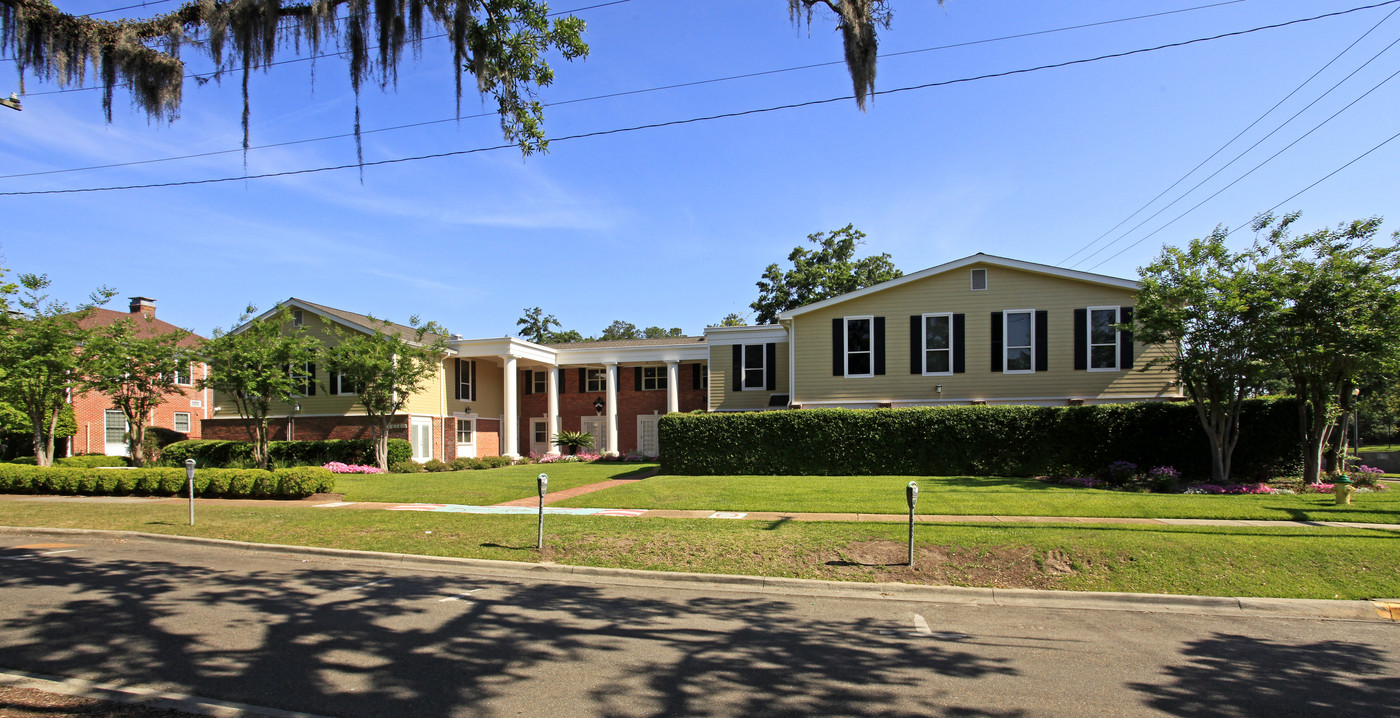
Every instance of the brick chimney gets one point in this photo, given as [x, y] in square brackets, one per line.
[145, 306]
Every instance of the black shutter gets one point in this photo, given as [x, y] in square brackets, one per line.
[959, 332]
[879, 346]
[310, 379]
[560, 382]
[457, 378]
[1081, 339]
[738, 367]
[838, 347]
[582, 379]
[332, 383]
[997, 353]
[770, 363]
[637, 378]
[1125, 338]
[695, 377]
[1042, 340]
[472, 365]
[916, 339]
[529, 382]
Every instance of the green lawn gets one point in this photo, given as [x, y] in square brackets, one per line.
[1280, 562]
[1382, 447]
[961, 495]
[477, 488]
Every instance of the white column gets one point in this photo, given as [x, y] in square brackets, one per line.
[612, 408]
[673, 396]
[552, 408]
[510, 445]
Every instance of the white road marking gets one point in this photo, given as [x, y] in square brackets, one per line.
[367, 585]
[921, 626]
[454, 598]
[50, 553]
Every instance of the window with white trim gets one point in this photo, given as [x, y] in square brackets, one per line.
[1018, 342]
[114, 426]
[979, 280]
[182, 422]
[302, 378]
[464, 379]
[541, 431]
[298, 319]
[704, 376]
[186, 377]
[539, 381]
[653, 377]
[466, 431]
[860, 355]
[938, 344]
[755, 367]
[343, 385]
[1103, 339]
[597, 380]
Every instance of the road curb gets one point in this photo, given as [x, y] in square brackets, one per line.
[1355, 610]
[134, 695]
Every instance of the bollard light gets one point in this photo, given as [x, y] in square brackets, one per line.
[189, 476]
[911, 495]
[544, 486]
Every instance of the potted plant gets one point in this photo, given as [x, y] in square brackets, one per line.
[573, 441]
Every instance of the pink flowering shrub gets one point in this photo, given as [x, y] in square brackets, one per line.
[1231, 489]
[1083, 482]
[335, 467]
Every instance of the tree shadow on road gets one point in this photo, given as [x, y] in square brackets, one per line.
[1230, 675]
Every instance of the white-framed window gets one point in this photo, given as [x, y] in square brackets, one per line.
[653, 378]
[1018, 341]
[464, 379]
[298, 319]
[860, 355]
[1103, 339]
[596, 380]
[114, 426]
[755, 367]
[466, 431]
[704, 370]
[185, 377]
[302, 378]
[182, 422]
[541, 431]
[343, 385]
[539, 381]
[979, 280]
[938, 344]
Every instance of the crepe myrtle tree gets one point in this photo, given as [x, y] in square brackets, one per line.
[384, 368]
[40, 357]
[257, 364]
[137, 369]
[1210, 310]
[828, 271]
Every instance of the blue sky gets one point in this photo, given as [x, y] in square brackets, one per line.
[672, 226]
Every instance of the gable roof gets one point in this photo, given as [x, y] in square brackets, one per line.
[359, 322]
[145, 327]
[979, 258]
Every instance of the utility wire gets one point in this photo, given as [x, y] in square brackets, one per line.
[622, 93]
[707, 118]
[1249, 149]
[1326, 177]
[1258, 166]
[1231, 141]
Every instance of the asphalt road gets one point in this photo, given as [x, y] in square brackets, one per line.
[359, 637]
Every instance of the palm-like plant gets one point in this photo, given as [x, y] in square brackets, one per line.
[573, 440]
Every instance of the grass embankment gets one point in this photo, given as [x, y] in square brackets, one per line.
[974, 496]
[1280, 562]
[482, 487]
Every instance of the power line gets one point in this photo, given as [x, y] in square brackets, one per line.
[1252, 170]
[707, 118]
[1249, 149]
[622, 93]
[1324, 178]
[1231, 141]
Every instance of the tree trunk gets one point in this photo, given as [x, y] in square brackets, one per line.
[260, 452]
[135, 438]
[41, 455]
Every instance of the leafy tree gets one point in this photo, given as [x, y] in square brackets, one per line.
[137, 369]
[501, 43]
[816, 275]
[732, 319]
[537, 325]
[1210, 310]
[567, 337]
[659, 333]
[253, 365]
[1341, 318]
[619, 330]
[385, 368]
[40, 357]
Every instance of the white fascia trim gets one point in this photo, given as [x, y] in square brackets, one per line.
[629, 356]
[762, 334]
[978, 258]
[503, 347]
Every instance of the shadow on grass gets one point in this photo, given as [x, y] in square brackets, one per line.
[510, 548]
[778, 523]
[1230, 675]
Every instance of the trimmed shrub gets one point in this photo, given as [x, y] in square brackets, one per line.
[405, 467]
[214, 453]
[467, 463]
[228, 483]
[974, 440]
[496, 462]
[25, 461]
[91, 461]
[436, 466]
[301, 481]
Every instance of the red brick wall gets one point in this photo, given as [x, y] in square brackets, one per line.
[304, 428]
[89, 408]
[488, 437]
[630, 404]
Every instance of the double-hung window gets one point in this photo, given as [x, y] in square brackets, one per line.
[466, 431]
[938, 344]
[653, 377]
[755, 367]
[1019, 342]
[304, 379]
[182, 422]
[184, 376]
[1103, 339]
[703, 371]
[859, 348]
[597, 380]
[539, 381]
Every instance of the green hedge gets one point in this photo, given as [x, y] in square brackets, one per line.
[215, 453]
[975, 440]
[291, 483]
[91, 461]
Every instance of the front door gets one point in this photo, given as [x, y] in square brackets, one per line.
[420, 434]
[114, 429]
[539, 437]
[647, 444]
[598, 427]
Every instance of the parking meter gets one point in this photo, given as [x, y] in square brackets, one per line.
[189, 476]
[911, 495]
[544, 486]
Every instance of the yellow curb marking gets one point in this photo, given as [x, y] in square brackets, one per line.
[46, 545]
[1388, 610]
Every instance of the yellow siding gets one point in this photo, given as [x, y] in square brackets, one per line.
[490, 389]
[723, 397]
[1007, 289]
[428, 401]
